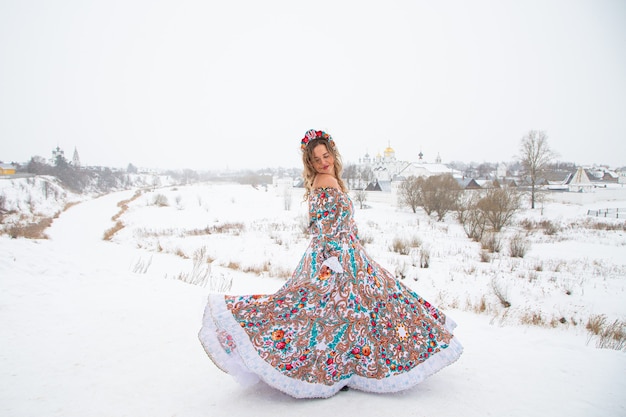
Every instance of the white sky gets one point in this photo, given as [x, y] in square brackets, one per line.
[209, 85]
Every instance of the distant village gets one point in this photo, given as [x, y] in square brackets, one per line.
[383, 172]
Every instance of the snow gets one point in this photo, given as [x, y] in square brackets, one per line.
[86, 332]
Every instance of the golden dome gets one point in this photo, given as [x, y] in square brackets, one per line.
[389, 152]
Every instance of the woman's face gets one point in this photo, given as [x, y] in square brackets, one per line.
[323, 161]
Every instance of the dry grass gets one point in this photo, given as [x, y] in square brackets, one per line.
[404, 246]
[34, 230]
[108, 234]
[534, 318]
[401, 246]
[227, 228]
[123, 205]
[258, 269]
[70, 204]
[594, 224]
[610, 335]
[180, 253]
[234, 265]
[481, 306]
[265, 269]
[201, 273]
[547, 226]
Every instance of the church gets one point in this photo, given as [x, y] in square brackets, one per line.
[389, 171]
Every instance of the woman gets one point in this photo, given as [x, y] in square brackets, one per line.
[341, 320]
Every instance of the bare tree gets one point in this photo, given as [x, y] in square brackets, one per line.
[350, 174]
[3, 210]
[440, 194]
[473, 219]
[498, 206]
[366, 175]
[361, 197]
[535, 155]
[410, 193]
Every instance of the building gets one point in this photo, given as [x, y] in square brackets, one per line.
[387, 169]
[7, 169]
[579, 182]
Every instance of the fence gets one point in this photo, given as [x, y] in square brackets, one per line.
[617, 213]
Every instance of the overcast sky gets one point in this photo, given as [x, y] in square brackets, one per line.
[233, 84]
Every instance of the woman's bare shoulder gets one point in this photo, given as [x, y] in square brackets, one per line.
[325, 181]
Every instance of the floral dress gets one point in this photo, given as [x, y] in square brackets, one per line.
[341, 319]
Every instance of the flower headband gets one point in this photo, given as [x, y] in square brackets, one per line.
[315, 134]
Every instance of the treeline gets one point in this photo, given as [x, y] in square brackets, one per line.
[80, 180]
[102, 179]
[479, 211]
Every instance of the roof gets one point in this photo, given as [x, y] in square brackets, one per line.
[373, 186]
[468, 183]
[579, 178]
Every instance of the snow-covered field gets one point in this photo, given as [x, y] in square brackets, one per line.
[90, 327]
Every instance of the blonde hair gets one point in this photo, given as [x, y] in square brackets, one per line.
[309, 172]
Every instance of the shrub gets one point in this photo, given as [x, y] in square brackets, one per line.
[401, 270]
[500, 293]
[201, 273]
[365, 238]
[220, 283]
[475, 224]
[424, 258]
[549, 228]
[179, 201]
[3, 201]
[287, 199]
[471, 218]
[491, 242]
[160, 200]
[361, 197]
[400, 246]
[527, 224]
[415, 242]
[518, 246]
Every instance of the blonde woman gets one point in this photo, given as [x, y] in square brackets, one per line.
[341, 320]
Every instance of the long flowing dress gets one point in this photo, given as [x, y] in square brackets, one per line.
[341, 319]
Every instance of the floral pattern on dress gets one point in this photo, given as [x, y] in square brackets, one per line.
[340, 315]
